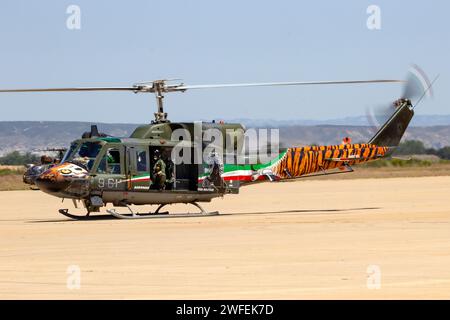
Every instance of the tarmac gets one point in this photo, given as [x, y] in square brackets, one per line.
[312, 239]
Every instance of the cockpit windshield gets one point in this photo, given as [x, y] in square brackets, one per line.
[69, 152]
[83, 153]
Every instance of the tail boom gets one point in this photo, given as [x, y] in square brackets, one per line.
[298, 162]
[301, 161]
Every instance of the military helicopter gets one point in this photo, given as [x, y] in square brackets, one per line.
[141, 169]
[35, 170]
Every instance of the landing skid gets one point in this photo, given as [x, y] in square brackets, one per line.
[158, 214]
[136, 215]
[65, 212]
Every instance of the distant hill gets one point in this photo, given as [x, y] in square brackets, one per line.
[433, 136]
[33, 135]
[418, 121]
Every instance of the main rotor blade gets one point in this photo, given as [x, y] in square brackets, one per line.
[73, 89]
[182, 87]
[267, 84]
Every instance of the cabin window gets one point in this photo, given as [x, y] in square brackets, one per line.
[110, 163]
[141, 160]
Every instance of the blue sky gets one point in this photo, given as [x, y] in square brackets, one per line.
[120, 43]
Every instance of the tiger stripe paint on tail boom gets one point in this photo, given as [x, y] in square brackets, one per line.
[300, 161]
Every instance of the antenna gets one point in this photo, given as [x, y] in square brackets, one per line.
[425, 91]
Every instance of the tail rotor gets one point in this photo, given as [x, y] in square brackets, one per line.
[417, 86]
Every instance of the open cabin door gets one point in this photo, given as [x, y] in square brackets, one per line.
[138, 168]
[179, 177]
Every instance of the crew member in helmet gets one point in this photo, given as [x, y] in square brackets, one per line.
[159, 172]
[46, 160]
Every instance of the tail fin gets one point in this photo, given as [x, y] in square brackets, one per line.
[392, 131]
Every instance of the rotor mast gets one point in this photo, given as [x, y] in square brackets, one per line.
[159, 89]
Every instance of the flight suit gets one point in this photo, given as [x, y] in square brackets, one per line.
[159, 175]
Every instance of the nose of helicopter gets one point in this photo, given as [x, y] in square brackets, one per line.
[51, 182]
[62, 180]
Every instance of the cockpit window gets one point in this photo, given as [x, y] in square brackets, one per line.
[83, 154]
[69, 152]
[110, 162]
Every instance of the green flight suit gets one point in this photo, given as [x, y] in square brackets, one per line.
[159, 175]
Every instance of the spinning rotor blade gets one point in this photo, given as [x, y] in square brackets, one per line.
[268, 84]
[72, 89]
[378, 115]
[417, 84]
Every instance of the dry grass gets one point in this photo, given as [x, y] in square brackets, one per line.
[11, 178]
[12, 182]
[15, 168]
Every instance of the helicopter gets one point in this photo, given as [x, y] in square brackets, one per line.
[145, 168]
[34, 170]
